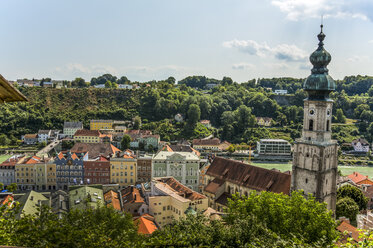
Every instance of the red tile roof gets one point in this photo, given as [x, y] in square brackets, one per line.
[60, 155]
[74, 156]
[33, 160]
[131, 195]
[181, 189]
[95, 149]
[214, 185]
[249, 176]
[31, 136]
[351, 230]
[85, 132]
[112, 199]
[145, 224]
[356, 177]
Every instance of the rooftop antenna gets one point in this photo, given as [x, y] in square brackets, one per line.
[322, 17]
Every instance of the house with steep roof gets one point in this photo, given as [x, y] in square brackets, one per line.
[69, 169]
[133, 202]
[225, 177]
[348, 231]
[95, 150]
[360, 179]
[112, 200]
[170, 200]
[30, 139]
[360, 145]
[145, 224]
[206, 144]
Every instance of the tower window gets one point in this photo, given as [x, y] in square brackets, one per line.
[306, 180]
[327, 125]
[310, 128]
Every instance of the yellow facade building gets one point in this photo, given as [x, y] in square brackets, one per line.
[123, 170]
[87, 136]
[101, 124]
[170, 200]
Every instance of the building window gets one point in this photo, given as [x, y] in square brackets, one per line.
[327, 125]
[310, 128]
[306, 180]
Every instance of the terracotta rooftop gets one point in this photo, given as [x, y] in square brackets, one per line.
[145, 224]
[95, 149]
[249, 176]
[356, 177]
[206, 142]
[214, 185]
[33, 160]
[31, 136]
[85, 132]
[180, 189]
[350, 229]
[131, 195]
[112, 199]
[11, 162]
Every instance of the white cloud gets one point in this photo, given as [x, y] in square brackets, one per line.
[371, 41]
[282, 52]
[301, 9]
[356, 58]
[243, 66]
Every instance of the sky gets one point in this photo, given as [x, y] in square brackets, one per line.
[154, 39]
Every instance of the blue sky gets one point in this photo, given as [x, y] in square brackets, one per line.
[146, 40]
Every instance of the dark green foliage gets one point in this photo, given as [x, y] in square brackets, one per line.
[348, 208]
[125, 143]
[354, 193]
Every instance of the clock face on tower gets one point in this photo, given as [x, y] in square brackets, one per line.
[312, 112]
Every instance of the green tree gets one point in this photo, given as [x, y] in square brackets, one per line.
[340, 118]
[4, 141]
[136, 122]
[194, 114]
[12, 187]
[108, 84]
[348, 208]
[79, 83]
[290, 217]
[125, 142]
[353, 193]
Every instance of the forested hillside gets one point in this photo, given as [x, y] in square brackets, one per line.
[231, 108]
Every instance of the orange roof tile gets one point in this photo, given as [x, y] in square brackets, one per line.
[60, 155]
[351, 230]
[114, 149]
[167, 148]
[145, 225]
[74, 156]
[112, 199]
[356, 177]
[131, 195]
[33, 160]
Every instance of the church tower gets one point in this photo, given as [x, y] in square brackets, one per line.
[315, 156]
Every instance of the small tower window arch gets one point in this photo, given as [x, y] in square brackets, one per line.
[310, 126]
[327, 125]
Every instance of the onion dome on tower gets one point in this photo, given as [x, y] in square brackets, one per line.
[319, 84]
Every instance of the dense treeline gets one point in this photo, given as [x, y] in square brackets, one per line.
[231, 108]
[260, 220]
